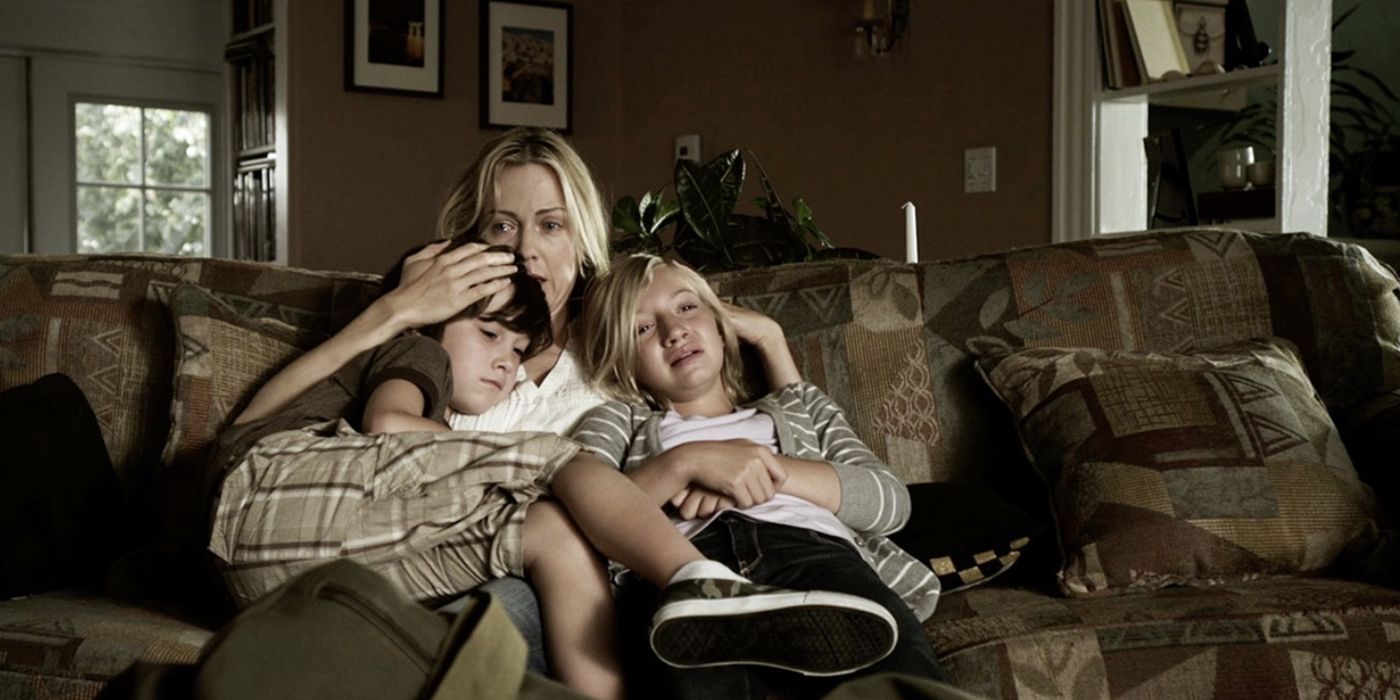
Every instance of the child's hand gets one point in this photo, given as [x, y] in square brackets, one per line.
[753, 327]
[746, 473]
[699, 502]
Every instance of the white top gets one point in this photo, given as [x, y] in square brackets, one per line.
[553, 406]
[748, 424]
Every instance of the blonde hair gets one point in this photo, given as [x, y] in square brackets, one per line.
[476, 189]
[609, 351]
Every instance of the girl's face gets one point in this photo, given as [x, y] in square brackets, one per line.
[680, 354]
[484, 356]
[530, 216]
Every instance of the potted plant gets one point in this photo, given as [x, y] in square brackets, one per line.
[707, 232]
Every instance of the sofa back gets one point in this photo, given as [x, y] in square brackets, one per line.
[895, 343]
[103, 320]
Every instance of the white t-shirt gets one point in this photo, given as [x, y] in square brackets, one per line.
[554, 405]
[747, 424]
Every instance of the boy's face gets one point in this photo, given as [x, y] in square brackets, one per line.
[485, 356]
[680, 354]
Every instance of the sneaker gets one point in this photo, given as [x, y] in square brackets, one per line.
[716, 622]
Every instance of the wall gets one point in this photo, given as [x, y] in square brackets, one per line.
[167, 32]
[369, 171]
[855, 139]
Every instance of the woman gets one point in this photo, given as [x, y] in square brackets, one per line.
[528, 189]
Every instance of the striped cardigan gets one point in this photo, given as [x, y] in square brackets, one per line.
[874, 502]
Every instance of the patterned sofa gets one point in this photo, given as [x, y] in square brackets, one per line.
[897, 344]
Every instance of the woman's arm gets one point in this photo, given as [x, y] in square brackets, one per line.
[396, 406]
[434, 288]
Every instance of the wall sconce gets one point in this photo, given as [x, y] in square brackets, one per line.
[879, 32]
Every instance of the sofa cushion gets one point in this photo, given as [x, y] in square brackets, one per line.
[1281, 637]
[1173, 291]
[67, 644]
[1170, 468]
[223, 357]
[101, 320]
[964, 532]
[855, 330]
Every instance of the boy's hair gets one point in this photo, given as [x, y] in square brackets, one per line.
[526, 312]
[610, 318]
[475, 191]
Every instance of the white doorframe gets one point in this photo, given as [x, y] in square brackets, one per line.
[56, 83]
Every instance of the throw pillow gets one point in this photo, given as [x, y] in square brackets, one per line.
[964, 532]
[221, 358]
[1183, 469]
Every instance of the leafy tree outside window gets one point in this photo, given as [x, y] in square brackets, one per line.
[143, 179]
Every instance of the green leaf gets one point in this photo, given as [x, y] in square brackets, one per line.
[707, 195]
[626, 217]
[994, 307]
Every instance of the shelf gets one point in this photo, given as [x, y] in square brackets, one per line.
[1238, 78]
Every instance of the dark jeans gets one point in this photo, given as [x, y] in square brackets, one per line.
[775, 555]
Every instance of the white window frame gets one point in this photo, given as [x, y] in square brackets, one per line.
[143, 185]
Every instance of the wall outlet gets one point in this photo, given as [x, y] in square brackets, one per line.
[688, 147]
[980, 169]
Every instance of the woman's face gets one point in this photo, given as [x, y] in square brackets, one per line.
[529, 215]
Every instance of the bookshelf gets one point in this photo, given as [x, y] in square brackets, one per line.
[253, 83]
[1099, 166]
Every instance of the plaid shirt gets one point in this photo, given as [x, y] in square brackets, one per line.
[874, 502]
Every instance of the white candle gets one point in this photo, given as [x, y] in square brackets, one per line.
[911, 234]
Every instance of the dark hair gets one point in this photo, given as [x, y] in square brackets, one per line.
[526, 312]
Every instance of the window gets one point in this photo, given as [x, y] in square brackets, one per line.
[143, 179]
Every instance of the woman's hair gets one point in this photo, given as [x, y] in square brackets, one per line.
[526, 312]
[610, 321]
[475, 191]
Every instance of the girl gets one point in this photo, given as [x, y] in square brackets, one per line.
[663, 347]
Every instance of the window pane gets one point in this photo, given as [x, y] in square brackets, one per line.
[177, 147]
[109, 219]
[108, 142]
[175, 222]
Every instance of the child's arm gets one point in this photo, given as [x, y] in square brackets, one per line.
[870, 497]
[767, 337]
[396, 406]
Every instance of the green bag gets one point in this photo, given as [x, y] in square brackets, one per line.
[342, 631]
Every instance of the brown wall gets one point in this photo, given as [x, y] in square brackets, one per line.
[855, 139]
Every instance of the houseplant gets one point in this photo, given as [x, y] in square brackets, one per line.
[706, 231]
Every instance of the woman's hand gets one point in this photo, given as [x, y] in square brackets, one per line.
[699, 502]
[436, 285]
[768, 338]
[746, 473]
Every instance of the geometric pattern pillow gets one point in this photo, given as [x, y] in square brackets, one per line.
[1183, 469]
[221, 359]
[957, 572]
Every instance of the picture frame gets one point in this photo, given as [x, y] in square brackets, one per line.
[394, 46]
[1171, 199]
[1202, 27]
[526, 64]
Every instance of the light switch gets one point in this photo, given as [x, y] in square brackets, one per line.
[980, 169]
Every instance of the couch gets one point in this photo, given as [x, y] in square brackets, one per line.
[165, 348]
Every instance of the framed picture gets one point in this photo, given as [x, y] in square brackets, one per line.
[526, 64]
[1201, 26]
[1171, 200]
[394, 46]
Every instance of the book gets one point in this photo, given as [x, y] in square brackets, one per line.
[1120, 65]
[1155, 41]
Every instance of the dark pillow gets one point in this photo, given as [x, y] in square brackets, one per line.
[61, 505]
[964, 532]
